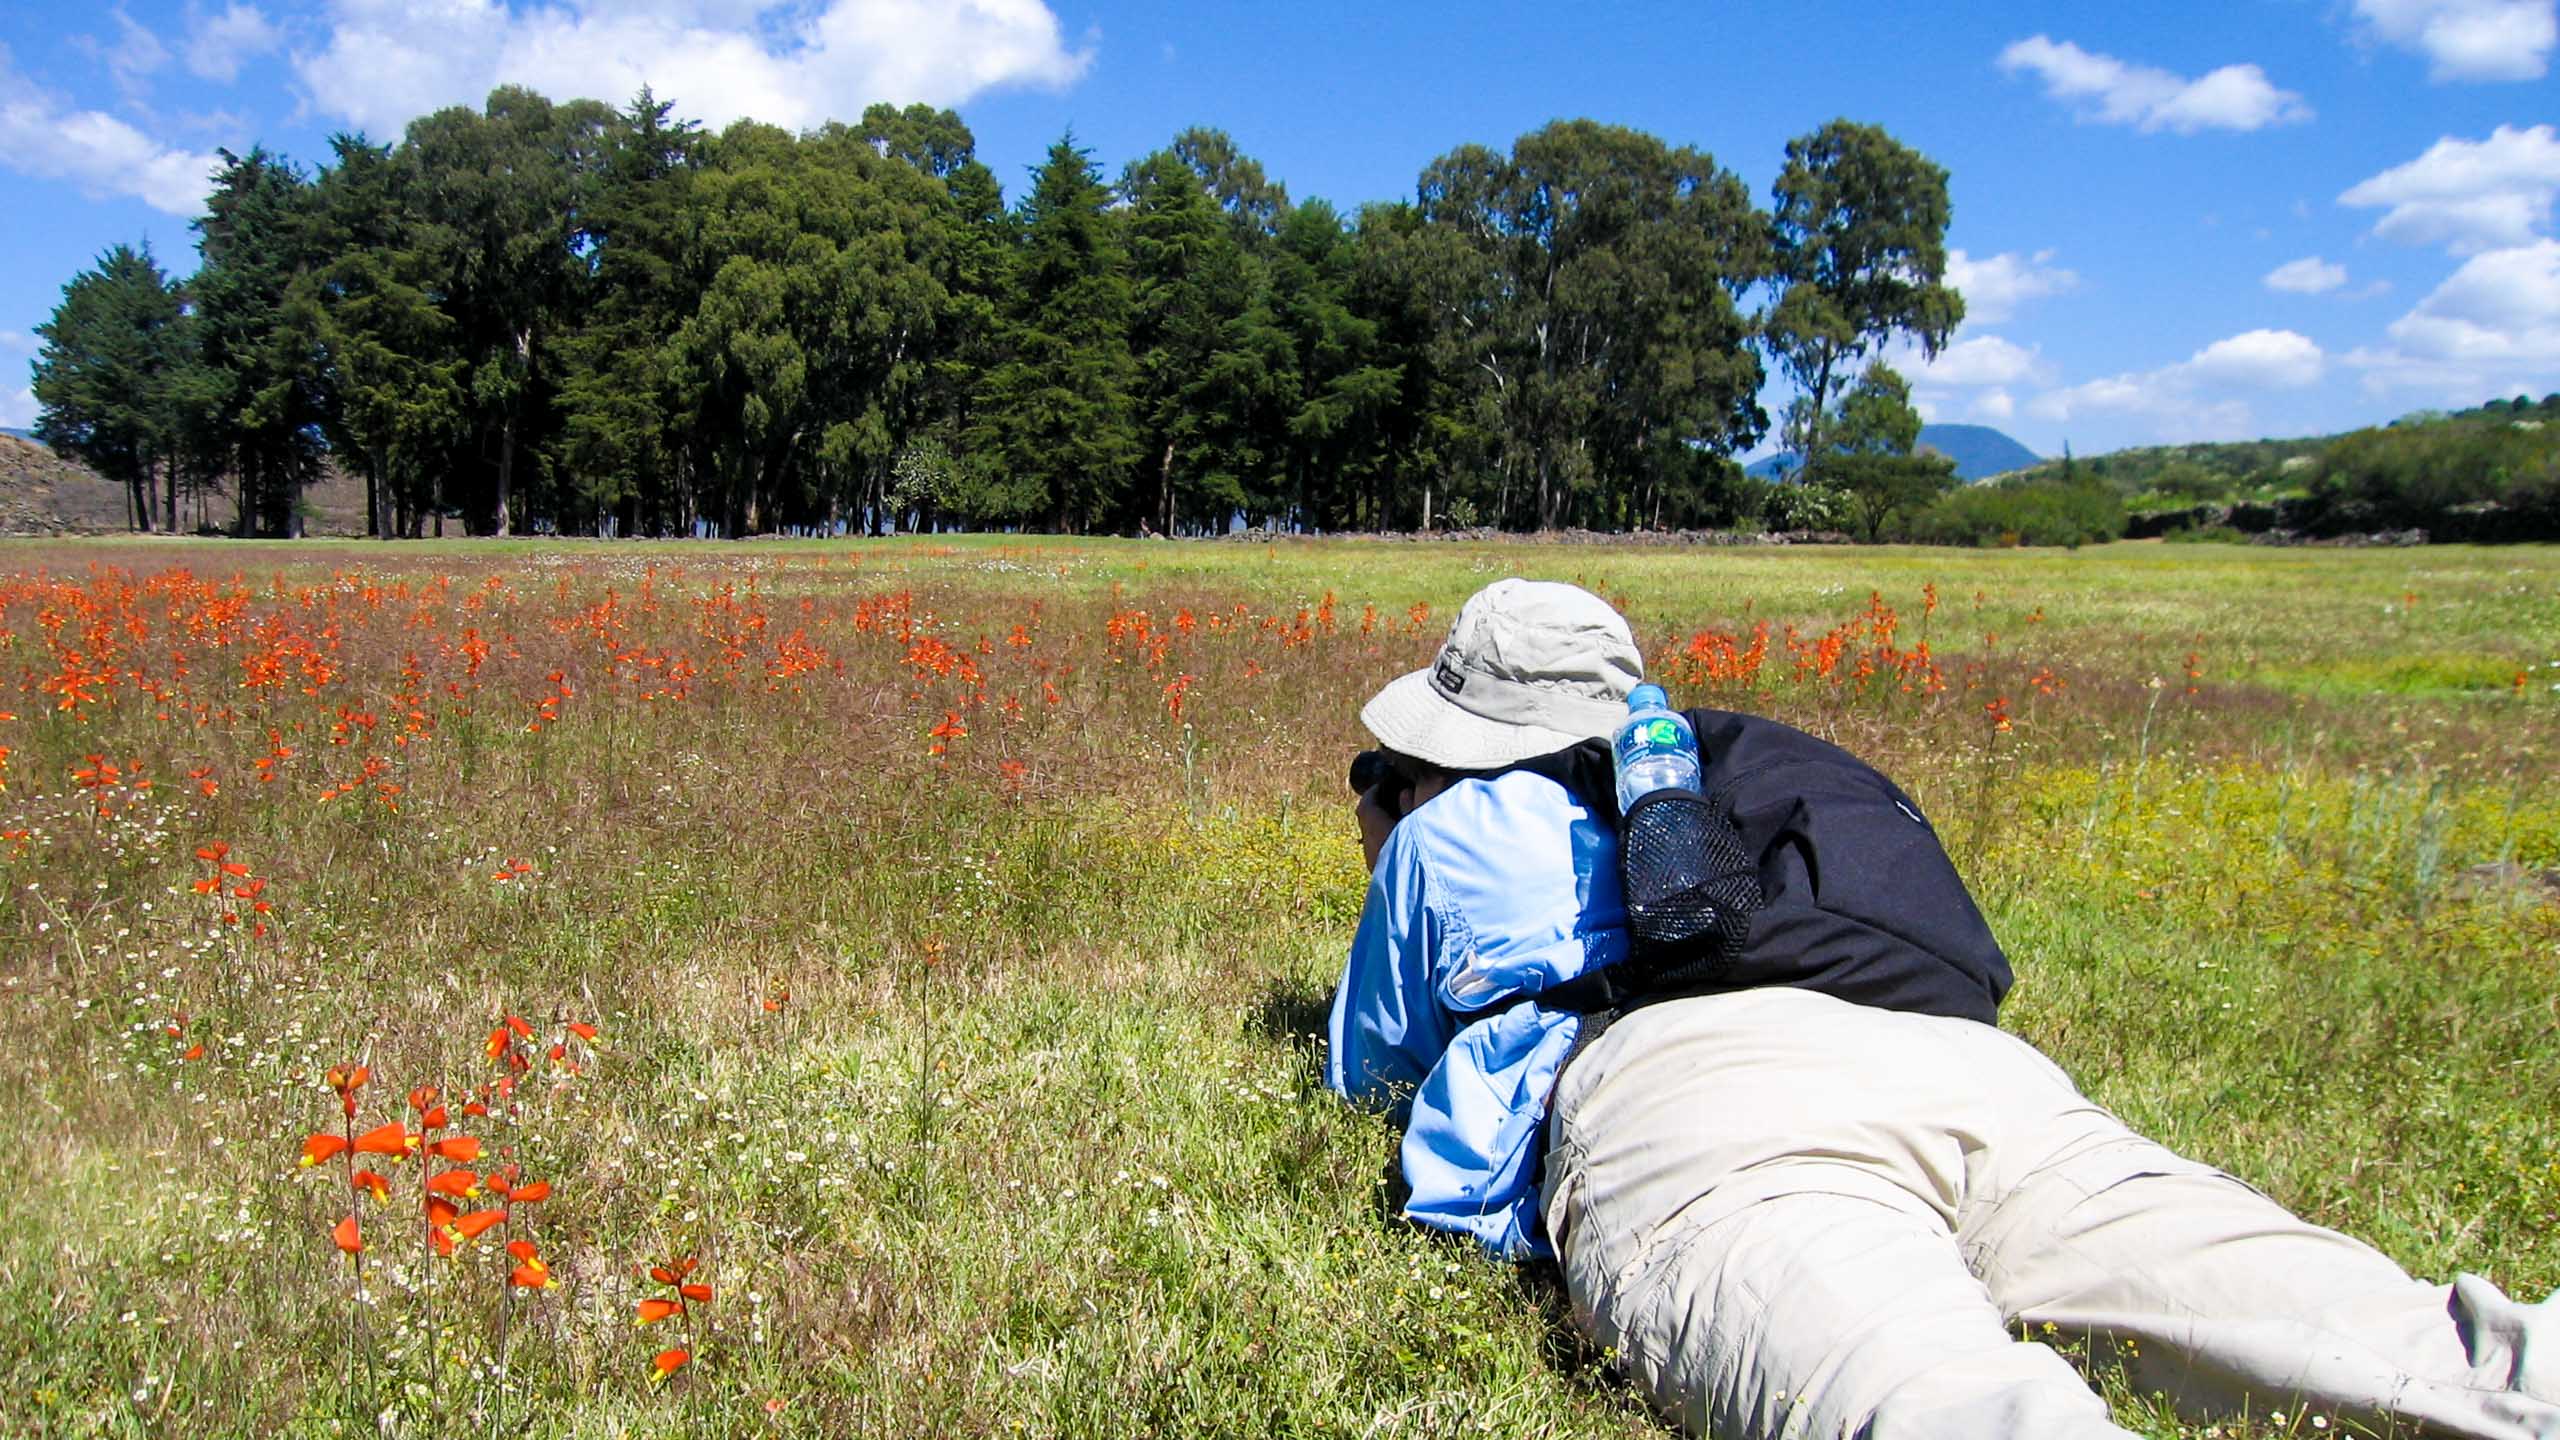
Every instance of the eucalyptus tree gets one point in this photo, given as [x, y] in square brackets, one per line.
[1254, 203]
[1867, 453]
[1595, 295]
[107, 377]
[816, 319]
[1860, 227]
[936, 142]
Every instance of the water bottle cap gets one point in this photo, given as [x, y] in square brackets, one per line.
[1648, 696]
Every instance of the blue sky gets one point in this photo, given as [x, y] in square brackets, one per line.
[2175, 222]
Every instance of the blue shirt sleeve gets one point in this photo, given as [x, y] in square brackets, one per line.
[1387, 1029]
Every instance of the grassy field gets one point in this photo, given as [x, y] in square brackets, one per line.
[954, 922]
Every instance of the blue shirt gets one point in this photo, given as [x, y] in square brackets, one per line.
[1515, 878]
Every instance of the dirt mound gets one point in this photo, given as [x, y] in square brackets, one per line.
[42, 493]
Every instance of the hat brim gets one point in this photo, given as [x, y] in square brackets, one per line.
[1412, 717]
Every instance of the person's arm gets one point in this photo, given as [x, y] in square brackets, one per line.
[1387, 1030]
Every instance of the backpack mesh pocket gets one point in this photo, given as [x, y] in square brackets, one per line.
[1690, 887]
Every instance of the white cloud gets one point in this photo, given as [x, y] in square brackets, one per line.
[1995, 285]
[17, 342]
[1982, 360]
[1994, 405]
[2468, 195]
[95, 152]
[18, 408]
[386, 62]
[132, 57]
[2235, 97]
[2264, 359]
[2192, 399]
[2469, 39]
[218, 45]
[2309, 275]
[2501, 310]
[137, 51]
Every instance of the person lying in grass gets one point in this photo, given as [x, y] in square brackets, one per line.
[1800, 1183]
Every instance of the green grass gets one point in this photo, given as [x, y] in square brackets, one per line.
[1035, 1143]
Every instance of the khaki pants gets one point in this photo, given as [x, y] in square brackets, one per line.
[1792, 1216]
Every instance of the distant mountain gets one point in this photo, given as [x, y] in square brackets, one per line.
[1978, 450]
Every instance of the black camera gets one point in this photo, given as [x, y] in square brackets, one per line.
[1375, 772]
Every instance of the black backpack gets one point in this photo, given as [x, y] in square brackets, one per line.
[1795, 863]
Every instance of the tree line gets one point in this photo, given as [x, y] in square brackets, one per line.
[571, 317]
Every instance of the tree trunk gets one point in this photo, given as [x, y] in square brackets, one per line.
[1165, 477]
[1426, 504]
[171, 509]
[506, 474]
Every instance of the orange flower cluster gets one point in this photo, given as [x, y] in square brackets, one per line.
[1860, 656]
[1854, 652]
[103, 779]
[230, 880]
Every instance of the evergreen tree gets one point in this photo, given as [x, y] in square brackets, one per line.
[498, 192]
[1058, 419]
[621, 444]
[1189, 291]
[391, 400]
[261, 402]
[801, 361]
[108, 377]
[981, 245]
[1339, 393]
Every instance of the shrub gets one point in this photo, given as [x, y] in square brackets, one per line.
[1795, 505]
[2043, 512]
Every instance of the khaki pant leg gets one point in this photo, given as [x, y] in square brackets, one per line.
[2216, 1296]
[1753, 1199]
[1827, 1315]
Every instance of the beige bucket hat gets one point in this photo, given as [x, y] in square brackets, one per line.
[1532, 666]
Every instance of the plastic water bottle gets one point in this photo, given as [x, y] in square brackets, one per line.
[1655, 748]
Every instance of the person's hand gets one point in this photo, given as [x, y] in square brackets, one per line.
[1375, 822]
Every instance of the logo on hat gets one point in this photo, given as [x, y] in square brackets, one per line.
[1447, 676]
